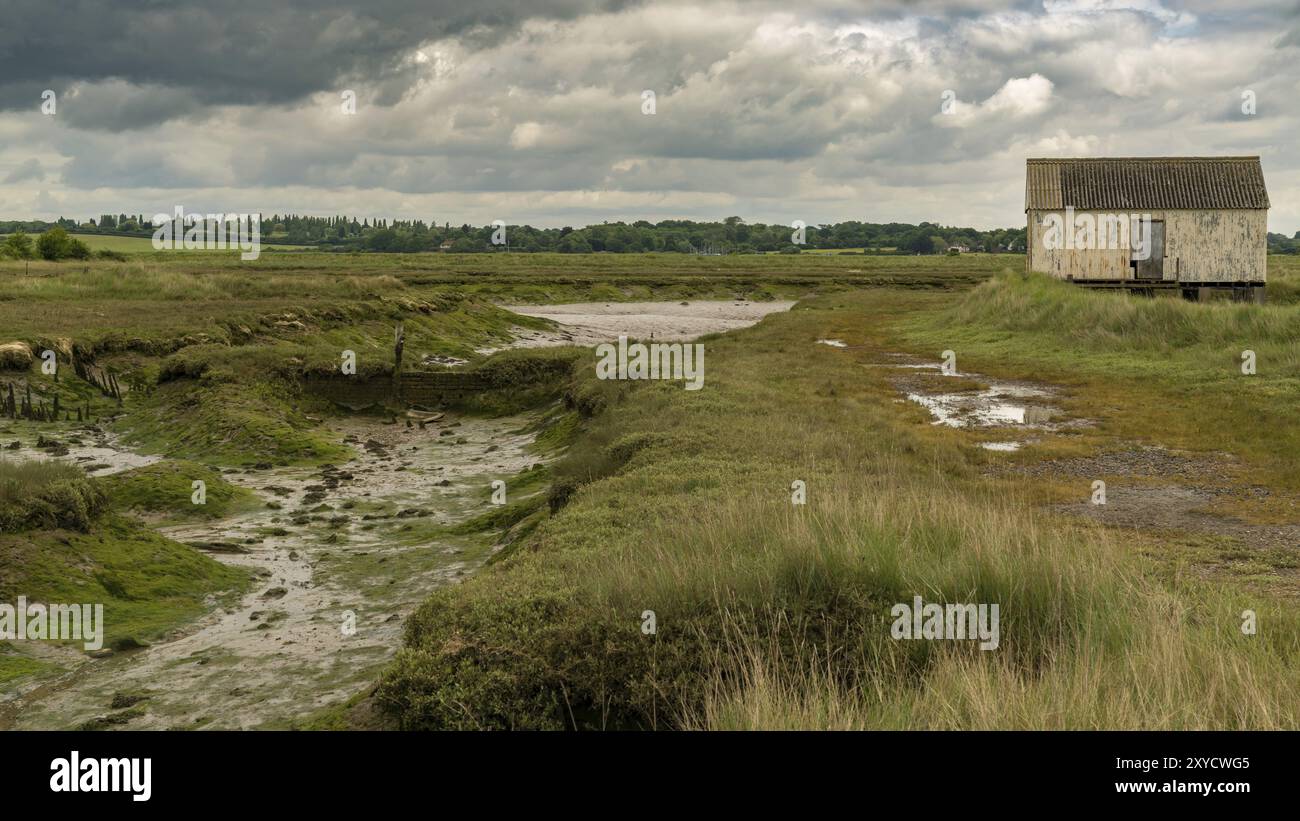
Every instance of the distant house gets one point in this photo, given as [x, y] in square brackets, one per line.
[1192, 223]
[446, 246]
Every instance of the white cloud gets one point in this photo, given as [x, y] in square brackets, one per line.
[526, 135]
[1019, 97]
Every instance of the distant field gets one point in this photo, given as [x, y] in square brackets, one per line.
[163, 292]
[125, 245]
[160, 292]
[842, 250]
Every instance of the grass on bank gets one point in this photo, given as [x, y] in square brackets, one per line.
[775, 615]
[64, 541]
[46, 493]
[147, 583]
[215, 357]
[239, 399]
[164, 491]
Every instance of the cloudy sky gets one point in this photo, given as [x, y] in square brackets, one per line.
[536, 111]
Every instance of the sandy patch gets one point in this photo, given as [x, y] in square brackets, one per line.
[590, 323]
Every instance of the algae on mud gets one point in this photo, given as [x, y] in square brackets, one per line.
[345, 552]
[68, 541]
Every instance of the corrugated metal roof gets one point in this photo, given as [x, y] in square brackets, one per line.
[1131, 183]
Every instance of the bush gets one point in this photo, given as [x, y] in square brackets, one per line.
[46, 494]
[56, 244]
[17, 245]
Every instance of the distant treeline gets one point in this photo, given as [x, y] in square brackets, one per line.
[730, 236]
[1282, 244]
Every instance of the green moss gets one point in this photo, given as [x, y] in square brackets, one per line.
[504, 516]
[166, 488]
[522, 378]
[14, 665]
[220, 420]
[147, 583]
[557, 431]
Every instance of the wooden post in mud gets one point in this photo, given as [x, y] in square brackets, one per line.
[399, 341]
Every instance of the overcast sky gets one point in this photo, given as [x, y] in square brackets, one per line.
[533, 112]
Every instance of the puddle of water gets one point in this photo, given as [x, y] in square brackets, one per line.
[985, 408]
[1000, 404]
[352, 541]
[1004, 447]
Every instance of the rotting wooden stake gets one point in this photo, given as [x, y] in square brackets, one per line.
[399, 342]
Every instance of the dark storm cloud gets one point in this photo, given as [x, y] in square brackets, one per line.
[239, 52]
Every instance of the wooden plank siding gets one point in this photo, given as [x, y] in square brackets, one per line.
[1201, 245]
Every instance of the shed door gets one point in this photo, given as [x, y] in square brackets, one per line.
[1154, 266]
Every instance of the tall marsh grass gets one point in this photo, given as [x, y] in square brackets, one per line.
[46, 493]
[775, 615]
[1115, 320]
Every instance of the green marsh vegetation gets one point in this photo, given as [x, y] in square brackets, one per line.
[771, 614]
[164, 491]
[66, 538]
[1156, 370]
[46, 493]
[768, 614]
[192, 285]
[214, 363]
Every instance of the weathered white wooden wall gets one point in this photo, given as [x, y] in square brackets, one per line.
[1211, 245]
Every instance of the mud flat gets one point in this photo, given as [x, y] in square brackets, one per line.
[590, 323]
[339, 555]
[95, 450]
